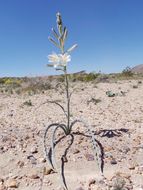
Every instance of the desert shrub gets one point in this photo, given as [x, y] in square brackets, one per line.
[30, 90]
[18, 91]
[8, 81]
[43, 86]
[104, 78]
[78, 77]
[1, 80]
[6, 90]
[13, 82]
[91, 76]
[37, 87]
[127, 72]
[61, 78]
[84, 77]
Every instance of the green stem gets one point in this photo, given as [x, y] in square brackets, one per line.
[68, 100]
[67, 94]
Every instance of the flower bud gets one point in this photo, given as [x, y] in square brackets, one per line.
[59, 19]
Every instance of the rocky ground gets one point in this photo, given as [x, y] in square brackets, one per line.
[117, 123]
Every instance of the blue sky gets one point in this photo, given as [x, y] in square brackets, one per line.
[109, 34]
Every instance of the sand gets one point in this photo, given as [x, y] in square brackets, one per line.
[117, 123]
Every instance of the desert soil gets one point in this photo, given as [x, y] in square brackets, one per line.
[117, 123]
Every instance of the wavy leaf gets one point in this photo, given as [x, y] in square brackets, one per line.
[53, 154]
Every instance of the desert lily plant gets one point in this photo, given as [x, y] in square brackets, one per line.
[60, 62]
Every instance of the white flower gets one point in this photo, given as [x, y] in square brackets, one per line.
[64, 59]
[54, 59]
[59, 60]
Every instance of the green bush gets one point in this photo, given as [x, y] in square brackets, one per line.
[84, 77]
[127, 72]
[14, 82]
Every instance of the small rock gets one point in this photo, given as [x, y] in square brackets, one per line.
[34, 176]
[91, 182]
[89, 157]
[64, 158]
[80, 140]
[42, 160]
[113, 161]
[12, 183]
[20, 163]
[1, 181]
[76, 151]
[24, 145]
[125, 150]
[32, 159]
[34, 150]
[132, 165]
[48, 171]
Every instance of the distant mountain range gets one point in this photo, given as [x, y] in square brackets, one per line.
[137, 69]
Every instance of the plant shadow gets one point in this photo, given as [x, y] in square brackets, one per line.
[110, 133]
